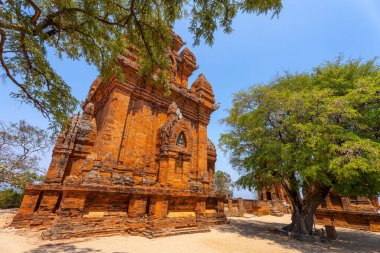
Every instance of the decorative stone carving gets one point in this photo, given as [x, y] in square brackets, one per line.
[72, 180]
[196, 186]
[216, 106]
[122, 179]
[94, 177]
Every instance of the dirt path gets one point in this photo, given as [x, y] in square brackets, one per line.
[242, 235]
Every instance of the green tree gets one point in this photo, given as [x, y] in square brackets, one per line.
[96, 30]
[309, 132]
[223, 183]
[21, 148]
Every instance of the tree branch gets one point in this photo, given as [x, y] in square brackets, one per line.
[49, 18]
[37, 12]
[36, 103]
[6, 25]
[143, 38]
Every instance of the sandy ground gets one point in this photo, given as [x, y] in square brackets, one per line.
[242, 235]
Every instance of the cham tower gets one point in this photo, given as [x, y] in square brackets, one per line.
[136, 161]
[357, 212]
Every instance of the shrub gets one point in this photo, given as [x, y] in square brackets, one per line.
[10, 198]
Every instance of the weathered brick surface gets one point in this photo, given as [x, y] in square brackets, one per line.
[136, 161]
[341, 211]
[238, 207]
[357, 213]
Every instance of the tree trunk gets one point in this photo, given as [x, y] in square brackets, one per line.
[302, 221]
[304, 208]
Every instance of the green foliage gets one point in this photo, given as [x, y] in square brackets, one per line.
[21, 149]
[223, 183]
[10, 198]
[96, 30]
[310, 131]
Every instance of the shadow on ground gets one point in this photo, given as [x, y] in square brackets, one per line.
[61, 248]
[348, 240]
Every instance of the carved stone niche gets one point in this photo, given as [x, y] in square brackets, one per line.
[176, 149]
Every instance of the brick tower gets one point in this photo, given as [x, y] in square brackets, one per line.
[136, 161]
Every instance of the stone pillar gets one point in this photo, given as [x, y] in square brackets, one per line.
[137, 206]
[229, 204]
[49, 201]
[29, 202]
[158, 208]
[346, 203]
[274, 193]
[328, 202]
[25, 215]
[264, 195]
[220, 206]
[201, 208]
[282, 194]
[202, 152]
[186, 171]
[241, 207]
[171, 168]
[163, 170]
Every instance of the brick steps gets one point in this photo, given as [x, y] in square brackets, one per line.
[274, 211]
[214, 221]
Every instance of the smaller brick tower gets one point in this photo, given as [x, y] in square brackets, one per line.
[136, 161]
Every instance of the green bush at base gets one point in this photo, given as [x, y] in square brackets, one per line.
[10, 198]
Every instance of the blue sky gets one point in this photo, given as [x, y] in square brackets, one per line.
[306, 34]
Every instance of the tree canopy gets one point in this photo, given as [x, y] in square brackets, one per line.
[96, 30]
[309, 132]
[21, 148]
[223, 183]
